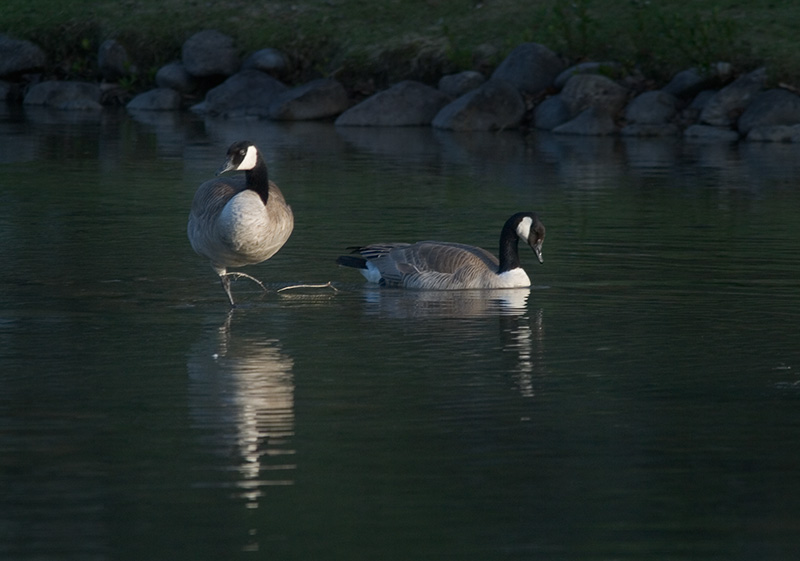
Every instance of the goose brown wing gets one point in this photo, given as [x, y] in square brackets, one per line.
[377, 250]
[435, 264]
[446, 257]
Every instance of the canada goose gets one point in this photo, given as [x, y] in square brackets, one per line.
[239, 221]
[451, 266]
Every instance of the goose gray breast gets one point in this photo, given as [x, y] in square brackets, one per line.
[239, 221]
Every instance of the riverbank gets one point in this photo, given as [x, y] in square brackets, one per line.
[369, 45]
[534, 85]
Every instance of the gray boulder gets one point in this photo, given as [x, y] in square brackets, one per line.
[113, 61]
[651, 108]
[530, 67]
[724, 108]
[159, 99]
[271, 61]
[608, 69]
[456, 85]
[592, 90]
[590, 122]
[174, 76]
[496, 105]
[407, 103]
[775, 133]
[691, 114]
[17, 56]
[650, 130]
[318, 99]
[248, 93]
[65, 95]
[688, 83]
[550, 113]
[210, 53]
[772, 107]
[11, 91]
[711, 133]
[701, 99]
[6, 91]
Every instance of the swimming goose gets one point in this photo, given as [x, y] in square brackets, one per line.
[241, 220]
[451, 266]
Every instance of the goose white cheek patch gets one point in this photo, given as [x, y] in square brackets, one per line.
[524, 228]
[249, 161]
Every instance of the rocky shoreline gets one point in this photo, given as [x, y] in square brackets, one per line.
[531, 88]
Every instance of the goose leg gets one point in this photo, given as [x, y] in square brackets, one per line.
[226, 283]
[236, 275]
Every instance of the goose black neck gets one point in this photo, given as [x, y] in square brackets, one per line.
[509, 249]
[258, 179]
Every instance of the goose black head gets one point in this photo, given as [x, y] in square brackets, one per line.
[242, 156]
[531, 230]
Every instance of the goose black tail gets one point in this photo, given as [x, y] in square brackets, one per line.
[352, 261]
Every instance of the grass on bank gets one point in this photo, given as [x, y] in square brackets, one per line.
[387, 40]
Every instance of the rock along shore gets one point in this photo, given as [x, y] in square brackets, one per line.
[531, 88]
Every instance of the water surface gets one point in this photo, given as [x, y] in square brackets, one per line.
[640, 402]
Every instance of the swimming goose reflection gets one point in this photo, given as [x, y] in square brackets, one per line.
[524, 337]
[241, 393]
[520, 325]
[446, 303]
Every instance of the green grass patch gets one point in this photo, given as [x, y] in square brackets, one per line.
[394, 39]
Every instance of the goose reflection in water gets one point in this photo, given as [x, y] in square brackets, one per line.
[242, 402]
[521, 326]
[403, 304]
[526, 340]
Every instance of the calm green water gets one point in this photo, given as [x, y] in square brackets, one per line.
[641, 402]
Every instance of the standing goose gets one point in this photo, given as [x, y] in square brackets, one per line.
[241, 220]
[451, 266]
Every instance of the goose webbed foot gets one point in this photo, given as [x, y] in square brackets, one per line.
[225, 278]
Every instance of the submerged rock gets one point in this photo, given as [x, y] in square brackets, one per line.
[711, 133]
[159, 99]
[590, 122]
[650, 129]
[65, 95]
